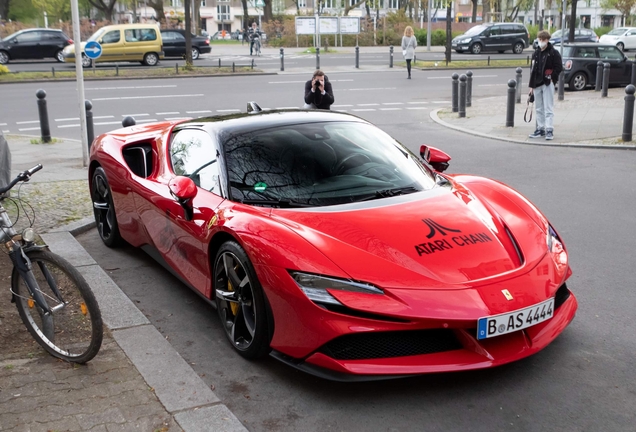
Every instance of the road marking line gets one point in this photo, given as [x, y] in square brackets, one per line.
[103, 117]
[134, 115]
[168, 113]
[125, 88]
[371, 88]
[149, 97]
[146, 120]
[441, 102]
[285, 82]
[28, 129]
[3, 124]
[107, 123]
[417, 102]
[341, 105]
[414, 108]
[370, 104]
[68, 119]
[492, 85]
[198, 112]
[390, 109]
[73, 125]
[340, 110]
[27, 122]
[6, 131]
[392, 103]
[178, 118]
[229, 110]
[367, 109]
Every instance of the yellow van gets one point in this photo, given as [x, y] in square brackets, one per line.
[123, 42]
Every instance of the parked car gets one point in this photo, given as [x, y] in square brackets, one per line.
[623, 37]
[330, 246]
[123, 42]
[580, 35]
[174, 43]
[219, 36]
[493, 37]
[36, 43]
[580, 59]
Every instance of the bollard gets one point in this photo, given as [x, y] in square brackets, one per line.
[44, 116]
[233, 68]
[414, 59]
[628, 116]
[462, 95]
[510, 107]
[220, 62]
[357, 57]
[488, 60]
[282, 59]
[176, 68]
[528, 60]
[599, 76]
[391, 56]
[633, 80]
[128, 121]
[561, 85]
[454, 86]
[116, 70]
[252, 63]
[53, 72]
[606, 74]
[317, 57]
[518, 79]
[469, 89]
[90, 129]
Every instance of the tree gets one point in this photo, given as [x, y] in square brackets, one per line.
[623, 6]
[474, 17]
[157, 5]
[60, 9]
[187, 5]
[267, 11]
[246, 18]
[4, 9]
[106, 8]
[348, 8]
[449, 30]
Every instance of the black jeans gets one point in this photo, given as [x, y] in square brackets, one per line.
[408, 66]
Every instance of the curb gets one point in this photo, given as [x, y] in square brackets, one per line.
[439, 121]
[184, 395]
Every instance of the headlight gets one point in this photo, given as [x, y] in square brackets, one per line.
[556, 249]
[465, 40]
[28, 235]
[315, 287]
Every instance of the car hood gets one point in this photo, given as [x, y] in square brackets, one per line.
[432, 238]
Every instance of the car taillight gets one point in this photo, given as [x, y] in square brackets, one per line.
[568, 65]
[70, 41]
[207, 41]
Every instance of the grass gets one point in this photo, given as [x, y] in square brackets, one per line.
[312, 50]
[40, 141]
[461, 64]
[225, 42]
[125, 72]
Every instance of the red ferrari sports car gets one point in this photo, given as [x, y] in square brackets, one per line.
[325, 243]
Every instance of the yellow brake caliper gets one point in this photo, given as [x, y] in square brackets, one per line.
[233, 306]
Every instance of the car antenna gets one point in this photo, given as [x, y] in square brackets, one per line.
[252, 107]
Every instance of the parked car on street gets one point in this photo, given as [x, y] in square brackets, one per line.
[174, 43]
[623, 37]
[35, 43]
[580, 61]
[493, 37]
[580, 35]
[220, 36]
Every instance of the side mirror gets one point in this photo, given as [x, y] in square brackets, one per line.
[435, 157]
[184, 189]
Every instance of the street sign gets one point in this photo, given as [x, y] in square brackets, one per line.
[260, 3]
[93, 50]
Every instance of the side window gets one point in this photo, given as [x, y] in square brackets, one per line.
[193, 154]
[148, 34]
[179, 37]
[495, 31]
[27, 37]
[131, 36]
[111, 37]
[610, 53]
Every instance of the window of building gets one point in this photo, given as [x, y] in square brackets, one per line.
[302, 3]
[223, 12]
[392, 4]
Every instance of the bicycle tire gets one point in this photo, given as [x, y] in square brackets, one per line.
[73, 332]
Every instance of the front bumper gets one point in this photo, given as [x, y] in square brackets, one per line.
[463, 46]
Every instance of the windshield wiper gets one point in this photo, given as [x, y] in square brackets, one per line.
[387, 193]
[282, 203]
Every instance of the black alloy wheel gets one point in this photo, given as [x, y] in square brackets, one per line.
[104, 210]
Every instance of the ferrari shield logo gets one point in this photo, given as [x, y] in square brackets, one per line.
[507, 294]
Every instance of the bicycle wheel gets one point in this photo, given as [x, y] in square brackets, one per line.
[73, 331]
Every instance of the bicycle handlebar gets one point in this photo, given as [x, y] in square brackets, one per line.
[23, 176]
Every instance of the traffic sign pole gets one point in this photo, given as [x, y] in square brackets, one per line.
[79, 72]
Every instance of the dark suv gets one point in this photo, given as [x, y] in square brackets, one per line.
[34, 43]
[498, 37]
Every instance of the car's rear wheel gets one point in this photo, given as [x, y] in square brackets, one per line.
[240, 301]
[476, 48]
[620, 46]
[518, 48]
[195, 53]
[86, 62]
[579, 81]
[104, 210]
[59, 56]
[4, 57]
[151, 59]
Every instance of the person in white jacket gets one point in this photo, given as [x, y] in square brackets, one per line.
[409, 43]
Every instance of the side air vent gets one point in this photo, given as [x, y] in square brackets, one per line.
[562, 294]
[138, 157]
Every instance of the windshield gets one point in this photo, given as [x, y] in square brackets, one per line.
[12, 35]
[556, 34]
[617, 32]
[97, 34]
[475, 30]
[320, 164]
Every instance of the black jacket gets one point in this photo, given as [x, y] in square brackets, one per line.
[321, 101]
[551, 61]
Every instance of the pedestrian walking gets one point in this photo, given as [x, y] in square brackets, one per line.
[409, 43]
[544, 74]
[318, 92]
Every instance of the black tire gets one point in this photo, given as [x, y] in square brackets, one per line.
[620, 46]
[476, 48]
[104, 209]
[518, 48]
[4, 57]
[59, 56]
[501, 51]
[578, 81]
[459, 51]
[74, 330]
[151, 59]
[86, 62]
[242, 312]
[195, 53]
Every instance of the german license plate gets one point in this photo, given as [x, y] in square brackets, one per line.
[497, 325]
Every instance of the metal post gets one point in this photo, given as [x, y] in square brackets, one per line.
[633, 80]
[220, 62]
[116, 70]
[176, 68]
[454, 86]
[462, 95]
[44, 116]
[317, 57]
[606, 74]
[282, 59]
[53, 72]
[628, 116]
[391, 56]
[90, 129]
[233, 68]
[469, 89]
[357, 57]
[510, 107]
[561, 85]
[518, 79]
[599, 76]
[128, 121]
[488, 61]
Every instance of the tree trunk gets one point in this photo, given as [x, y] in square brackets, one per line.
[536, 12]
[246, 18]
[267, 12]
[187, 5]
[572, 21]
[474, 17]
[449, 32]
[157, 5]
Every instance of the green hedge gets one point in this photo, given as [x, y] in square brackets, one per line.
[438, 37]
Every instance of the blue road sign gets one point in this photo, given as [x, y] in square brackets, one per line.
[93, 50]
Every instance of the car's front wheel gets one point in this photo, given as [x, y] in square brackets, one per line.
[59, 56]
[151, 59]
[579, 81]
[104, 209]
[4, 57]
[476, 48]
[518, 48]
[195, 53]
[240, 301]
[86, 62]
[620, 46]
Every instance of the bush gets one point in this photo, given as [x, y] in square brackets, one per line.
[600, 31]
[4, 70]
[438, 37]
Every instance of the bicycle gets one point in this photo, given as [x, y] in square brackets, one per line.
[257, 45]
[54, 300]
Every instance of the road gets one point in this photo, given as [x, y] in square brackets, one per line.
[584, 381]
